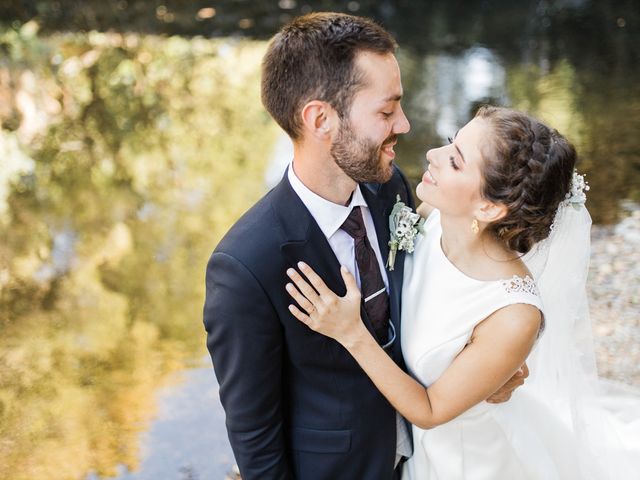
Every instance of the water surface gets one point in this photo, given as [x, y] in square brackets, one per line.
[133, 138]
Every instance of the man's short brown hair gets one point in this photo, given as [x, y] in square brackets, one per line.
[313, 58]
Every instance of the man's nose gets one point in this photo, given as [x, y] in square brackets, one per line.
[402, 123]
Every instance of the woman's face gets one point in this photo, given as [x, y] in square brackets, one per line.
[453, 178]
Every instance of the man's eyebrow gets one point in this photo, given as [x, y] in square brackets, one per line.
[393, 98]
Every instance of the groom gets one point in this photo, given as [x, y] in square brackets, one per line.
[297, 404]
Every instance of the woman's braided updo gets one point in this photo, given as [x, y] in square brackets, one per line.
[527, 168]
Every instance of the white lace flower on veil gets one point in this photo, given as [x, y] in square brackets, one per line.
[577, 194]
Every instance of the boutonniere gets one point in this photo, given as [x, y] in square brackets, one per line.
[404, 226]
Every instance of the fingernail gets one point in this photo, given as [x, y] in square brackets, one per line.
[302, 265]
[290, 271]
[288, 286]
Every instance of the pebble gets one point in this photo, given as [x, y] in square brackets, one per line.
[613, 288]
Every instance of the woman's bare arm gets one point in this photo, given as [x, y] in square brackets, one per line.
[498, 347]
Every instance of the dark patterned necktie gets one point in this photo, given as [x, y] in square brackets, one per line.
[374, 294]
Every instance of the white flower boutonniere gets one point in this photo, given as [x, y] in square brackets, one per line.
[404, 226]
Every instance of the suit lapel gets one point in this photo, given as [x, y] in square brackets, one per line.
[304, 241]
[380, 210]
[380, 207]
[369, 192]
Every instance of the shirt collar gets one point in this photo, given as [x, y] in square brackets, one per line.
[328, 215]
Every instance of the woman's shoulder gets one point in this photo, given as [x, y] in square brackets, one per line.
[516, 322]
[514, 282]
[504, 265]
[513, 293]
[519, 315]
[521, 318]
[492, 267]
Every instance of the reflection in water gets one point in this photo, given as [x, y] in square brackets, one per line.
[130, 157]
[189, 440]
[443, 91]
[124, 158]
[450, 86]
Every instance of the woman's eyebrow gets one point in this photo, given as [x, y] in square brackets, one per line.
[459, 151]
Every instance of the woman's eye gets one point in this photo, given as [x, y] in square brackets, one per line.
[452, 160]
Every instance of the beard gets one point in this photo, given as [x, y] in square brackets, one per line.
[360, 158]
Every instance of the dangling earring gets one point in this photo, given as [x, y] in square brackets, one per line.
[474, 227]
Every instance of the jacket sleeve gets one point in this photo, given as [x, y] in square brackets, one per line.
[245, 340]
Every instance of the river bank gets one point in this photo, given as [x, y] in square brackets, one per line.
[614, 297]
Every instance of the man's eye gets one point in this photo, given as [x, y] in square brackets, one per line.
[387, 114]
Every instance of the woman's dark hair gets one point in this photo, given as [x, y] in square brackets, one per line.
[313, 58]
[528, 168]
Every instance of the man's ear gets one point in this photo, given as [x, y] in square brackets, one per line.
[489, 212]
[318, 119]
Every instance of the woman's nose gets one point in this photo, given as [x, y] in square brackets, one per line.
[430, 155]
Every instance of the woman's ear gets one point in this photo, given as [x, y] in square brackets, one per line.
[318, 119]
[489, 212]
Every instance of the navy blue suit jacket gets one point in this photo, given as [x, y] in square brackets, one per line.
[297, 404]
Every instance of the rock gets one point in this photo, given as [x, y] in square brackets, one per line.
[613, 288]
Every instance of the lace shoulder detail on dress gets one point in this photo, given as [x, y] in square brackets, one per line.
[518, 284]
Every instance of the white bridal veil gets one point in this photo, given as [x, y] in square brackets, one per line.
[603, 417]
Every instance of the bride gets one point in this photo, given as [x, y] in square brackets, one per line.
[475, 307]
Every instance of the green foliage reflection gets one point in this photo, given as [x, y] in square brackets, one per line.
[124, 159]
[602, 126]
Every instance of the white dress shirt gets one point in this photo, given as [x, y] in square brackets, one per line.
[330, 216]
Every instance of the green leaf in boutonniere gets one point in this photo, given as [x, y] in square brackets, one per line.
[404, 226]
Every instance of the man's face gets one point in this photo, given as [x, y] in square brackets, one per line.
[363, 145]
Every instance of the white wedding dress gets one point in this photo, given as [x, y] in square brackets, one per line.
[524, 438]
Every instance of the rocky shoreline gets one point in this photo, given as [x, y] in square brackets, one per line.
[614, 296]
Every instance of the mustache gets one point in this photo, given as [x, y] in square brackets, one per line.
[391, 139]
